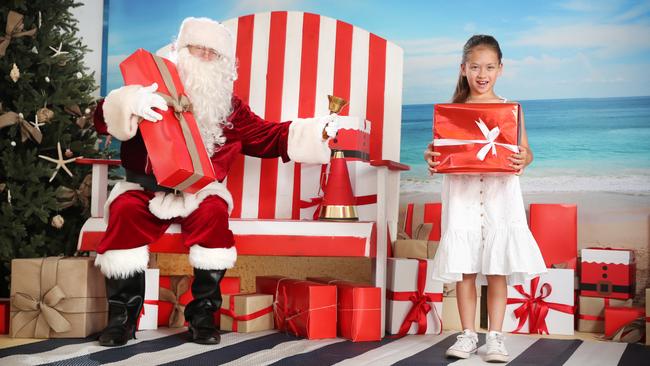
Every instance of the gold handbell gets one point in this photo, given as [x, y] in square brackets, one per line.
[338, 199]
[336, 103]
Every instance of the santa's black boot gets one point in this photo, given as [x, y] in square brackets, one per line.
[199, 313]
[125, 299]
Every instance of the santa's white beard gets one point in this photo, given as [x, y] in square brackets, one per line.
[209, 85]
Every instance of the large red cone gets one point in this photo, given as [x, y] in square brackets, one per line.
[338, 199]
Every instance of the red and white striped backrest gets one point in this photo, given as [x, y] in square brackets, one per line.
[288, 62]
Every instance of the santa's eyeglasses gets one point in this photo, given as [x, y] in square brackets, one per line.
[200, 51]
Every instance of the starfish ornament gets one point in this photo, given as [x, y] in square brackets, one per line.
[60, 163]
[36, 124]
[57, 51]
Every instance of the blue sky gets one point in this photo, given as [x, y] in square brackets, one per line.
[553, 49]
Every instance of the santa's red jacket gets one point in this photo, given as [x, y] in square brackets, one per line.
[250, 135]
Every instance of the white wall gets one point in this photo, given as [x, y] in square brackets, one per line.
[91, 25]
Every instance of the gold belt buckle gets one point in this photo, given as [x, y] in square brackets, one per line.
[604, 287]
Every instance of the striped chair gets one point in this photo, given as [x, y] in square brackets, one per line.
[288, 62]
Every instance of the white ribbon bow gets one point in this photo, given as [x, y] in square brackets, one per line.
[489, 142]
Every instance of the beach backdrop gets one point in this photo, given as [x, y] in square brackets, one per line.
[578, 68]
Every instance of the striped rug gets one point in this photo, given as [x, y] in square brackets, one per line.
[170, 347]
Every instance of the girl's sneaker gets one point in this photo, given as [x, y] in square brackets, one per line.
[496, 348]
[466, 344]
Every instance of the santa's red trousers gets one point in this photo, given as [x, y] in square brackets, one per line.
[131, 225]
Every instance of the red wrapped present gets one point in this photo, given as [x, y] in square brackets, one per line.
[358, 309]
[555, 228]
[475, 138]
[429, 213]
[617, 317]
[4, 316]
[303, 308]
[268, 284]
[175, 147]
[647, 317]
[607, 272]
[175, 293]
[545, 305]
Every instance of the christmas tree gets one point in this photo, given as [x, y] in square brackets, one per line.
[45, 124]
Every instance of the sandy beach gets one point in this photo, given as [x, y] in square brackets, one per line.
[605, 219]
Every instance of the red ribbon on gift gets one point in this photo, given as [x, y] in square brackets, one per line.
[534, 308]
[150, 302]
[420, 300]
[237, 318]
[594, 317]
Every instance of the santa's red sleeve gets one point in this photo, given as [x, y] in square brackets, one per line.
[98, 119]
[300, 140]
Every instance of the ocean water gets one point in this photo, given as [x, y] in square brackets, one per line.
[598, 144]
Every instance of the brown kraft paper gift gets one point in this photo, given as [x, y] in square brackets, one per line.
[57, 297]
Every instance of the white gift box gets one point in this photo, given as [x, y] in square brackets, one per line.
[554, 296]
[149, 319]
[402, 279]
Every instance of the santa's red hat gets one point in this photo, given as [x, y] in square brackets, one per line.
[206, 32]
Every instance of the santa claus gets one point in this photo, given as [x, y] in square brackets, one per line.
[139, 211]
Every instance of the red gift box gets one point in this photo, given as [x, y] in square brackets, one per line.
[617, 317]
[358, 309]
[4, 316]
[175, 293]
[555, 228]
[607, 272]
[431, 215]
[303, 308]
[475, 138]
[175, 147]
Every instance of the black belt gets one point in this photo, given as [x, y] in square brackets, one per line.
[354, 154]
[148, 182]
[605, 288]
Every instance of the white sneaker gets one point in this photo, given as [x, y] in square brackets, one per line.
[496, 348]
[466, 344]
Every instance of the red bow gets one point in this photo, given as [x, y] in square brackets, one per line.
[534, 309]
[421, 303]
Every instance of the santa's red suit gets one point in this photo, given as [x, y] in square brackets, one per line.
[139, 211]
[137, 216]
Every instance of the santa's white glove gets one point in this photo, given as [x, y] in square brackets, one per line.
[332, 127]
[146, 99]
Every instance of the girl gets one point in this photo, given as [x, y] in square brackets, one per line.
[484, 228]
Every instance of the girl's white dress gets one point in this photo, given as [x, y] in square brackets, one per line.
[484, 230]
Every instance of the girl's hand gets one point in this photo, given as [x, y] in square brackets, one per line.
[429, 154]
[520, 160]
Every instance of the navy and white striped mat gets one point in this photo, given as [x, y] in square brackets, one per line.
[170, 347]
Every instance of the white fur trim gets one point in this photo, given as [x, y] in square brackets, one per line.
[119, 188]
[207, 33]
[168, 205]
[118, 115]
[123, 263]
[306, 144]
[212, 258]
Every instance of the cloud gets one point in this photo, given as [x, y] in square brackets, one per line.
[633, 13]
[606, 40]
[588, 6]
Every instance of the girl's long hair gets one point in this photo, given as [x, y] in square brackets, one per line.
[462, 87]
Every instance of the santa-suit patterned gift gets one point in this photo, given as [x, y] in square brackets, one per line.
[139, 210]
[608, 272]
